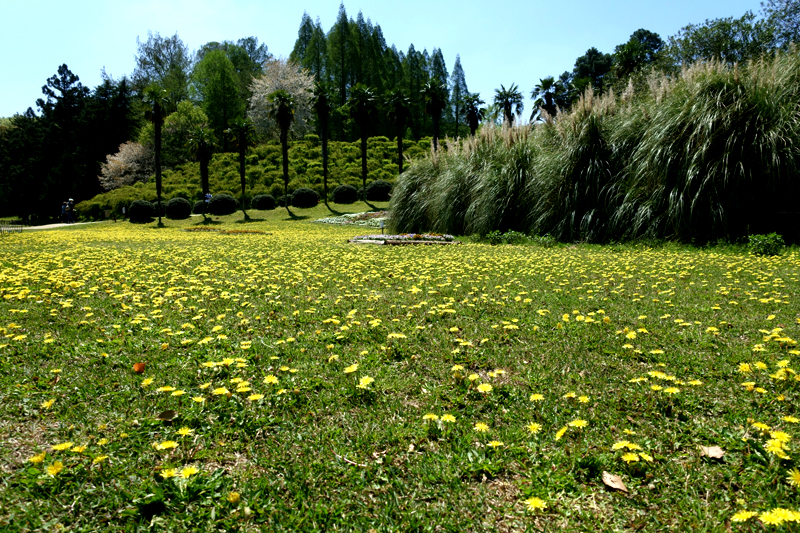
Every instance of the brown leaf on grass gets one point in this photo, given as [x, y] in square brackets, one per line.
[614, 482]
[712, 452]
[167, 415]
[138, 367]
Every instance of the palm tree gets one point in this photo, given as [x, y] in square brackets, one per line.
[362, 106]
[282, 111]
[398, 109]
[242, 132]
[435, 94]
[322, 108]
[202, 142]
[474, 112]
[157, 98]
[509, 100]
[544, 94]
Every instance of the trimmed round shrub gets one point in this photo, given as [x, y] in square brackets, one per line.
[141, 211]
[178, 208]
[265, 202]
[345, 194]
[159, 209]
[223, 204]
[305, 198]
[199, 207]
[379, 191]
[282, 199]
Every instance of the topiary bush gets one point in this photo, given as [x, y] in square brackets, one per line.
[770, 244]
[160, 209]
[305, 198]
[199, 207]
[379, 191]
[178, 208]
[223, 204]
[265, 202]
[141, 211]
[345, 194]
[283, 199]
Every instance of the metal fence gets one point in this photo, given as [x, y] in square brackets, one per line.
[4, 229]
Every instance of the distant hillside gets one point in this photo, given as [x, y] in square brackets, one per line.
[264, 172]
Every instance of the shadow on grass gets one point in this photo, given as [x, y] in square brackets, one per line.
[250, 219]
[332, 210]
[208, 221]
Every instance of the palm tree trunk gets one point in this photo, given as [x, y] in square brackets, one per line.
[400, 151]
[435, 134]
[157, 127]
[325, 165]
[285, 151]
[364, 164]
[242, 148]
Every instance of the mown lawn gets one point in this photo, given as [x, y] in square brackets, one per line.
[293, 381]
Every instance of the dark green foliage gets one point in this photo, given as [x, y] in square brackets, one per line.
[178, 208]
[510, 237]
[199, 207]
[379, 191]
[141, 211]
[284, 200]
[222, 204]
[305, 198]
[264, 202]
[345, 194]
[770, 244]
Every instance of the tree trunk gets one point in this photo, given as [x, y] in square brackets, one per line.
[242, 148]
[285, 151]
[435, 133]
[400, 150]
[325, 164]
[157, 127]
[364, 164]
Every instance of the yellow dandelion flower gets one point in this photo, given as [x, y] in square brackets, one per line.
[61, 447]
[646, 457]
[364, 382]
[745, 368]
[255, 397]
[233, 497]
[578, 423]
[448, 418]
[166, 388]
[794, 477]
[168, 473]
[36, 459]
[484, 388]
[166, 445]
[221, 391]
[48, 404]
[743, 516]
[430, 416]
[481, 427]
[188, 472]
[630, 457]
[791, 419]
[495, 443]
[184, 431]
[350, 369]
[534, 428]
[535, 504]
[473, 377]
[198, 399]
[146, 382]
[99, 459]
[55, 468]
[560, 433]
[536, 397]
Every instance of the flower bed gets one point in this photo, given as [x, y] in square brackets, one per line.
[370, 219]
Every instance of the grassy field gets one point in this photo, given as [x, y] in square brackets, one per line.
[171, 380]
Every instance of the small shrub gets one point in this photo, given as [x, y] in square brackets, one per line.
[284, 199]
[141, 211]
[222, 204]
[495, 237]
[160, 209]
[265, 202]
[545, 241]
[379, 191]
[770, 244]
[305, 198]
[345, 194]
[199, 207]
[178, 208]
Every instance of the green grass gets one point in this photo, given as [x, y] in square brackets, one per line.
[575, 324]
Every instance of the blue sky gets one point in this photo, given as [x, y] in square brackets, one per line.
[510, 42]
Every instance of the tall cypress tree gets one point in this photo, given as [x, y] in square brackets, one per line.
[458, 90]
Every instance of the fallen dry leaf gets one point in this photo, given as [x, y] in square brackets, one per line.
[167, 415]
[138, 367]
[615, 482]
[713, 452]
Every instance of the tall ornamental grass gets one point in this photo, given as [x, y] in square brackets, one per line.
[710, 154]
